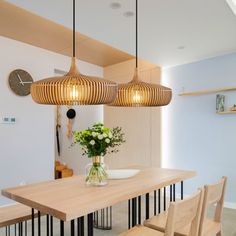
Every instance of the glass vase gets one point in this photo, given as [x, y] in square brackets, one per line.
[96, 172]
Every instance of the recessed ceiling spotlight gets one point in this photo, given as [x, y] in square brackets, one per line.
[115, 5]
[129, 14]
[181, 47]
[232, 4]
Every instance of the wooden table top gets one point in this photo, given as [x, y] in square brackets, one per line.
[70, 198]
[13, 214]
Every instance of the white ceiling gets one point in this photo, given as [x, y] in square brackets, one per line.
[206, 28]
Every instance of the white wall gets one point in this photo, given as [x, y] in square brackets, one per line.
[194, 136]
[27, 148]
[86, 116]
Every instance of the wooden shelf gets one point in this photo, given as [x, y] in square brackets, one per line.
[207, 91]
[225, 112]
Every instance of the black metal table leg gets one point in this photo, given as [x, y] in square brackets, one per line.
[80, 226]
[72, 228]
[159, 201]
[90, 224]
[47, 225]
[61, 228]
[111, 217]
[170, 193]
[164, 198]
[134, 212]
[155, 202]
[128, 214]
[32, 218]
[51, 226]
[39, 223]
[147, 206]
[139, 209]
[26, 230]
[182, 190]
[19, 229]
[174, 194]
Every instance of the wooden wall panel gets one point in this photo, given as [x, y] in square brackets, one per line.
[142, 125]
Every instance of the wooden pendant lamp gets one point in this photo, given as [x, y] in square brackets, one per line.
[137, 93]
[73, 88]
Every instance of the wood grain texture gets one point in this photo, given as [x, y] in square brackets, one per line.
[140, 230]
[14, 214]
[73, 88]
[225, 112]
[21, 25]
[70, 198]
[180, 214]
[214, 194]
[207, 226]
[207, 91]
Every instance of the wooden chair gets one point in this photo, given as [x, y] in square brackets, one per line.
[214, 194]
[207, 227]
[180, 214]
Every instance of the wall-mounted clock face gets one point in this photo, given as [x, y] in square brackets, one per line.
[20, 82]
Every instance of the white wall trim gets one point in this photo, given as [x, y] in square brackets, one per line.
[8, 205]
[230, 205]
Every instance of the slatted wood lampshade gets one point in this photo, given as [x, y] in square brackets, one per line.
[73, 88]
[137, 93]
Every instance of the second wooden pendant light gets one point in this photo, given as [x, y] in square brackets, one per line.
[137, 93]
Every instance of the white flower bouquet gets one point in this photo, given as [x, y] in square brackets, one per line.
[99, 140]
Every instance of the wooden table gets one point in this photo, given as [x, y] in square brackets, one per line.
[69, 199]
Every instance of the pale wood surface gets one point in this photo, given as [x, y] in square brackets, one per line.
[141, 231]
[180, 214]
[158, 222]
[70, 198]
[144, 147]
[213, 194]
[207, 91]
[14, 214]
[226, 112]
[19, 24]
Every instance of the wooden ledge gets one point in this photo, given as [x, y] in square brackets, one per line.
[13, 214]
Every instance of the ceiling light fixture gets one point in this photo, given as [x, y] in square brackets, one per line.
[115, 5]
[137, 93]
[73, 88]
[129, 14]
[232, 4]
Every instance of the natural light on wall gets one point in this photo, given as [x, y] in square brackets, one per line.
[165, 131]
[232, 4]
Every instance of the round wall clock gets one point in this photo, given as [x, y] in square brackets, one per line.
[20, 82]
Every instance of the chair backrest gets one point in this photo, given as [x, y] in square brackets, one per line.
[214, 194]
[185, 212]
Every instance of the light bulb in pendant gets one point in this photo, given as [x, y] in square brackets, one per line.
[137, 97]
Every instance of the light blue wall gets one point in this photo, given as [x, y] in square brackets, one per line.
[194, 136]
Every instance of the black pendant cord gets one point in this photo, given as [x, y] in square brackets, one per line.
[73, 28]
[136, 59]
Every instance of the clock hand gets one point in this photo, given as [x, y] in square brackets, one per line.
[20, 79]
[27, 82]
